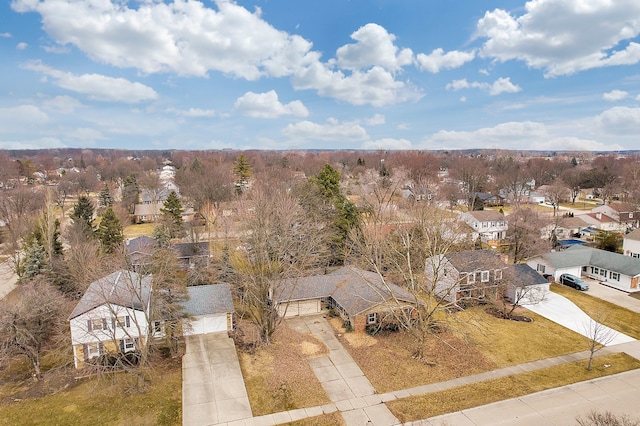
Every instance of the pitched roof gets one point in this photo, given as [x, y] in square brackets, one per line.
[486, 215]
[122, 288]
[208, 299]
[355, 290]
[142, 244]
[473, 260]
[527, 276]
[186, 250]
[622, 207]
[582, 256]
[633, 235]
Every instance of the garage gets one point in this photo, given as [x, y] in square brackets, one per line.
[209, 310]
[296, 308]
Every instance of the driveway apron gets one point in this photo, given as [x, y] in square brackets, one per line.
[213, 389]
[345, 384]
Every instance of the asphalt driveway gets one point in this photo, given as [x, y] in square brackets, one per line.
[562, 311]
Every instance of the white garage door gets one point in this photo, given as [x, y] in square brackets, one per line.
[301, 307]
[205, 325]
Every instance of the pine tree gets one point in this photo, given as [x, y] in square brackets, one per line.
[172, 212]
[242, 172]
[83, 213]
[105, 199]
[56, 244]
[34, 258]
[110, 231]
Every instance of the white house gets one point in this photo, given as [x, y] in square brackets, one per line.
[525, 285]
[603, 222]
[112, 316]
[613, 269]
[631, 244]
[209, 310]
[489, 224]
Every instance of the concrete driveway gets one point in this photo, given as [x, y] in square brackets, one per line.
[8, 279]
[213, 389]
[562, 311]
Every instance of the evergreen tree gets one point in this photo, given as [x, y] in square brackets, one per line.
[172, 212]
[110, 231]
[242, 172]
[56, 244]
[104, 198]
[83, 214]
[162, 235]
[34, 258]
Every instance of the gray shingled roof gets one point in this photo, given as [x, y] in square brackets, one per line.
[208, 299]
[633, 235]
[123, 288]
[524, 275]
[474, 260]
[353, 289]
[583, 256]
[487, 215]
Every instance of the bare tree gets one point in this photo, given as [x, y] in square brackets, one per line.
[599, 335]
[28, 323]
[524, 235]
[279, 243]
[598, 418]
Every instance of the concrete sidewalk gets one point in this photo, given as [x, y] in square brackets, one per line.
[213, 390]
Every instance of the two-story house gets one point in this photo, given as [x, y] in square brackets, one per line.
[465, 277]
[489, 224]
[631, 244]
[114, 315]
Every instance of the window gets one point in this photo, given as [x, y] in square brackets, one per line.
[123, 321]
[497, 274]
[128, 345]
[493, 224]
[157, 327]
[484, 276]
[541, 268]
[595, 270]
[631, 215]
[635, 255]
[471, 278]
[97, 324]
[485, 224]
[614, 276]
[603, 272]
[372, 318]
[92, 350]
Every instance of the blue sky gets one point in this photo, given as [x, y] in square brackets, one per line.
[282, 74]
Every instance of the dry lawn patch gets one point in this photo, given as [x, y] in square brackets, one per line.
[617, 317]
[481, 393]
[278, 376]
[334, 419]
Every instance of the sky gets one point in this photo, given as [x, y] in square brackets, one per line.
[331, 74]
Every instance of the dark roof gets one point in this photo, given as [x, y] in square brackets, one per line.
[474, 260]
[208, 299]
[123, 288]
[487, 215]
[524, 275]
[186, 250]
[353, 289]
[142, 244]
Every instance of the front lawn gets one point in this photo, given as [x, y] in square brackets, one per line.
[139, 229]
[481, 393]
[112, 399]
[616, 317]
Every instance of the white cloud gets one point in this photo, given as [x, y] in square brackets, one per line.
[22, 46]
[193, 112]
[374, 47]
[376, 120]
[564, 36]
[23, 116]
[620, 121]
[40, 143]
[85, 135]
[376, 86]
[332, 131]
[438, 60]
[615, 95]
[387, 143]
[96, 86]
[56, 49]
[267, 105]
[501, 85]
[5, 35]
[512, 135]
[63, 104]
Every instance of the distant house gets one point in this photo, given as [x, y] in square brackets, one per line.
[139, 251]
[603, 222]
[112, 316]
[631, 244]
[192, 254]
[360, 297]
[616, 270]
[467, 276]
[489, 224]
[487, 199]
[564, 227]
[623, 213]
[209, 310]
[144, 213]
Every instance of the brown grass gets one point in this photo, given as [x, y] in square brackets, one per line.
[278, 376]
[615, 316]
[481, 393]
[334, 419]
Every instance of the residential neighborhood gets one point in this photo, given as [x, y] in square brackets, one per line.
[325, 291]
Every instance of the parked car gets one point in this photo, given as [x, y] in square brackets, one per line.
[573, 281]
